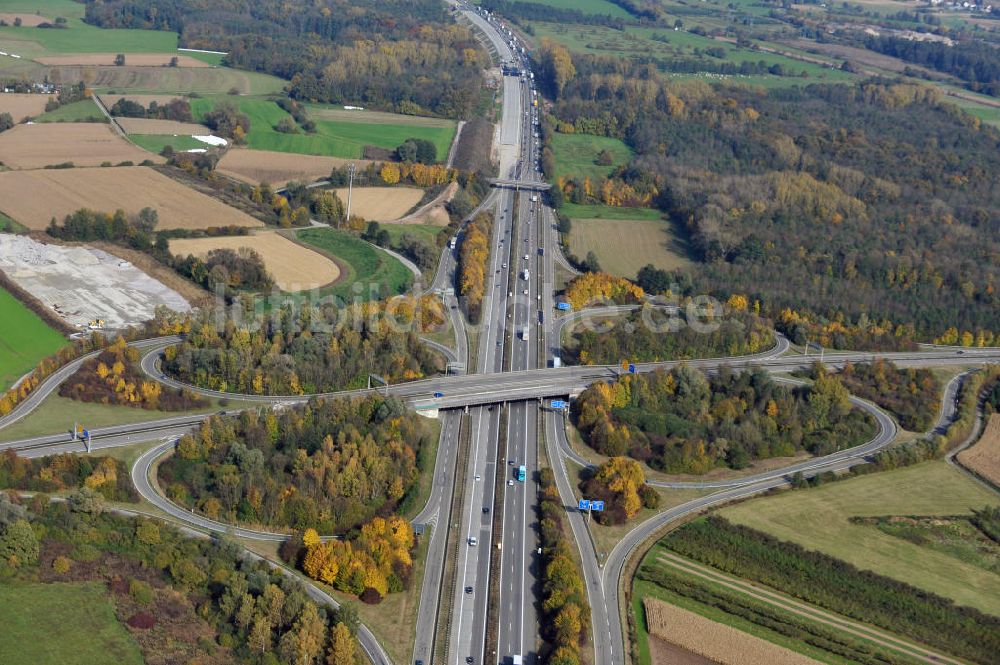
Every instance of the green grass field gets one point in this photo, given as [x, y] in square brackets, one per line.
[426, 232]
[58, 624]
[575, 211]
[623, 246]
[576, 155]
[157, 142]
[334, 138]
[377, 273]
[84, 110]
[78, 37]
[24, 340]
[600, 7]
[819, 519]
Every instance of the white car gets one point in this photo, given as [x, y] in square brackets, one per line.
[526, 258]
[510, 483]
[477, 476]
[525, 292]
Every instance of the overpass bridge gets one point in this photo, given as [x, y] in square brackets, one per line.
[518, 185]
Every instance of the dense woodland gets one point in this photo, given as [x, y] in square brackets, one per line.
[182, 599]
[653, 335]
[306, 350]
[682, 421]
[115, 377]
[975, 62]
[838, 586]
[912, 395]
[870, 206]
[408, 57]
[175, 109]
[565, 611]
[329, 465]
[62, 473]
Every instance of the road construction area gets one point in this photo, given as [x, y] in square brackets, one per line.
[82, 284]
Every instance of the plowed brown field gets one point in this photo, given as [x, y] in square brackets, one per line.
[82, 143]
[712, 640]
[131, 59]
[27, 20]
[294, 267]
[278, 168]
[20, 106]
[381, 204]
[34, 197]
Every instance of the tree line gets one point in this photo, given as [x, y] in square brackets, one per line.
[176, 109]
[473, 264]
[565, 624]
[331, 465]
[838, 586]
[683, 421]
[181, 599]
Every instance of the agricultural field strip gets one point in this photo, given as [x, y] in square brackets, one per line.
[23, 105]
[789, 604]
[131, 59]
[60, 192]
[381, 204]
[984, 456]
[154, 126]
[294, 267]
[84, 144]
[279, 168]
[711, 639]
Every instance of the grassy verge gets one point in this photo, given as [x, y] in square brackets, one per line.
[81, 616]
[819, 519]
[576, 155]
[57, 414]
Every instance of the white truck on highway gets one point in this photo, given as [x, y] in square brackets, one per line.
[534, 198]
[524, 333]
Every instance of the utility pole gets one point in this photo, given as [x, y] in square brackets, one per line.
[350, 189]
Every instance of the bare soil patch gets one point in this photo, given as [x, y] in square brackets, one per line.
[34, 197]
[27, 20]
[434, 212]
[662, 652]
[278, 168]
[82, 143]
[984, 456]
[21, 106]
[382, 204]
[714, 641]
[294, 266]
[131, 59]
[153, 126]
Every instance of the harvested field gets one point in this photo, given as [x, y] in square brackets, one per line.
[166, 80]
[82, 143]
[34, 197]
[81, 284]
[715, 641]
[27, 20]
[147, 126]
[145, 100]
[434, 212]
[294, 267]
[23, 105]
[662, 652]
[382, 204]
[131, 59]
[278, 168]
[623, 246]
[984, 457]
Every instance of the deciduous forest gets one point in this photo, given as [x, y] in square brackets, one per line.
[682, 421]
[330, 465]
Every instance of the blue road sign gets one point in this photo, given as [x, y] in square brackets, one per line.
[584, 504]
[559, 404]
[631, 368]
[597, 505]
